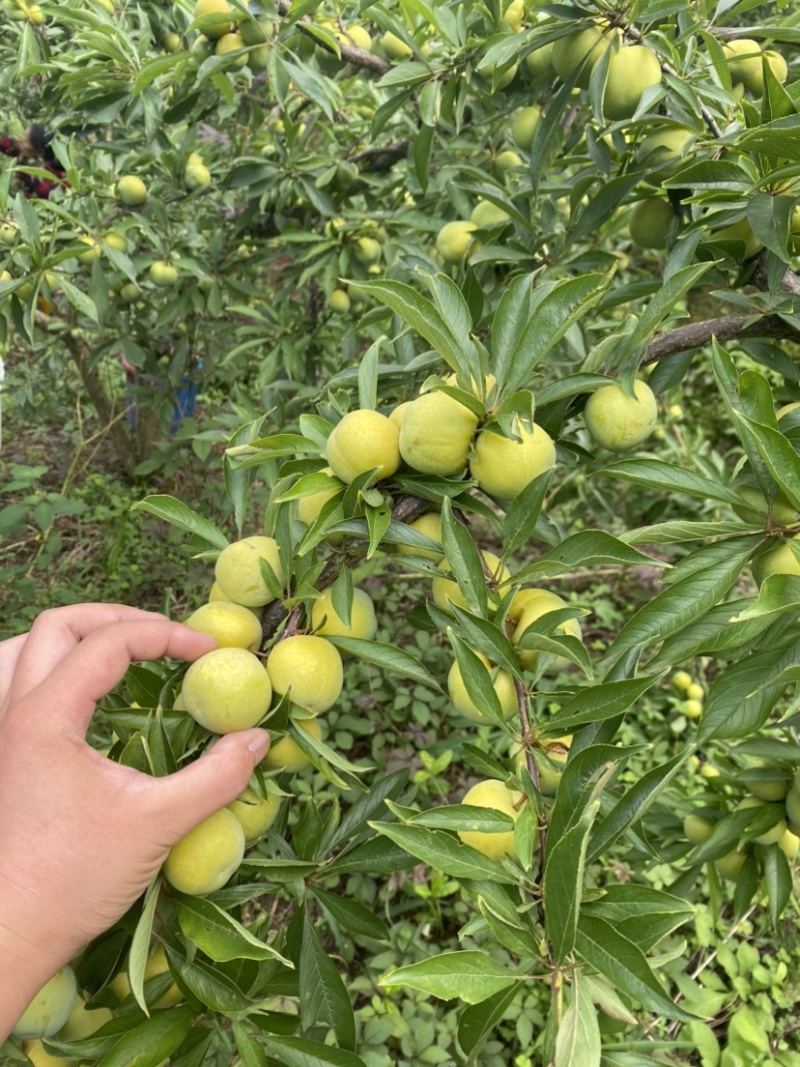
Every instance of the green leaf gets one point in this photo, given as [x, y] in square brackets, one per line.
[368, 376]
[670, 478]
[738, 702]
[465, 562]
[579, 782]
[769, 217]
[471, 976]
[387, 657]
[323, 996]
[578, 1037]
[717, 568]
[351, 915]
[365, 808]
[477, 679]
[552, 309]
[463, 817]
[78, 299]
[175, 511]
[479, 1020]
[563, 884]
[140, 945]
[153, 1041]
[634, 802]
[779, 593]
[378, 519]
[717, 631]
[643, 914]
[598, 702]
[523, 513]
[486, 637]
[624, 964]
[218, 934]
[422, 317]
[589, 548]
[778, 881]
[668, 533]
[300, 1052]
[443, 852]
[209, 985]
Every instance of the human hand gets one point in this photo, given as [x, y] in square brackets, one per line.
[81, 837]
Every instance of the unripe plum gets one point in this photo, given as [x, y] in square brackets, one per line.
[492, 794]
[308, 669]
[363, 440]
[328, 623]
[255, 813]
[286, 755]
[503, 467]
[238, 570]
[50, 1008]
[619, 422]
[227, 689]
[208, 856]
[233, 625]
[436, 434]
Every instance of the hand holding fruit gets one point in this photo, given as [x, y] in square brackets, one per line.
[81, 836]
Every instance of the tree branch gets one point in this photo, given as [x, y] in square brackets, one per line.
[359, 57]
[727, 328]
[380, 157]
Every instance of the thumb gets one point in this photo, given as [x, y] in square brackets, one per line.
[186, 798]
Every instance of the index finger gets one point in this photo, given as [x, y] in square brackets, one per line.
[56, 632]
[99, 662]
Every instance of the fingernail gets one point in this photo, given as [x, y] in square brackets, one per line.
[259, 746]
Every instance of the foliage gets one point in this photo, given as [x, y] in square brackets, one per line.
[310, 284]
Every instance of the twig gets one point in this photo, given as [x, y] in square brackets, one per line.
[726, 328]
[359, 57]
[530, 762]
[381, 157]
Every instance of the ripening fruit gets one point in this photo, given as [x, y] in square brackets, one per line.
[231, 42]
[454, 240]
[162, 273]
[539, 64]
[213, 7]
[793, 807]
[492, 794]
[708, 770]
[744, 60]
[771, 836]
[368, 250]
[92, 250]
[507, 160]
[580, 49]
[697, 829]
[130, 292]
[197, 175]
[789, 845]
[663, 151]
[326, 622]
[693, 709]
[503, 685]
[256, 31]
[446, 591]
[436, 434]
[355, 36]
[779, 560]
[82, 1022]
[208, 856]
[777, 64]
[681, 680]
[394, 47]
[255, 813]
[730, 865]
[514, 14]
[631, 70]
[486, 215]
[116, 240]
[308, 669]
[398, 414]
[156, 965]
[286, 755]
[50, 1008]
[524, 126]
[503, 467]
[363, 440]
[695, 691]
[339, 300]
[233, 625]
[757, 510]
[309, 507]
[227, 689]
[553, 751]
[651, 222]
[767, 788]
[131, 191]
[429, 524]
[534, 609]
[741, 231]
[238, 570]
[619, 422]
